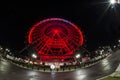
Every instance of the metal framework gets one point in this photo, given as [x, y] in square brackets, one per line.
[55, 39]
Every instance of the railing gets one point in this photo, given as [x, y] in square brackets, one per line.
[31, 65]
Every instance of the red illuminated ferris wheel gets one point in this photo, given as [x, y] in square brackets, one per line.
[55, 39]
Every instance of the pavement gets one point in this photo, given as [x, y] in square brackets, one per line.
[9, 71]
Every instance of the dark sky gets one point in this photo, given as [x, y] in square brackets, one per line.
[101, 26]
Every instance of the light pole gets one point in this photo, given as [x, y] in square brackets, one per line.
[77, 57]
[34, 57]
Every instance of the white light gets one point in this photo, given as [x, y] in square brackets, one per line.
[7, 50]
[77, 55]
[32, 73]
[112, 2]
[1, 48]
[52, 66]
[118, 2]
[26, 61]
[105, 64]
[101, 52]
[31, 62]
[80, 74]
[34, 55]
[114, 46]
[119, 41]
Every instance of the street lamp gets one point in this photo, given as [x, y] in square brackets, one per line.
[34, 56]
[1, 48]
[114, 46]
[113, 2]
[119, 41]
[77, 56]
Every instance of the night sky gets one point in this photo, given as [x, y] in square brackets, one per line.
[99, 22]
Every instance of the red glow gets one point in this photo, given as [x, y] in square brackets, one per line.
[55, 39]
[56, 31]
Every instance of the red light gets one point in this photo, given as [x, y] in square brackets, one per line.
[55, 39]
[56, 31]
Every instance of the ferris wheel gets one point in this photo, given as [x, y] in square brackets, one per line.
[55, 39]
